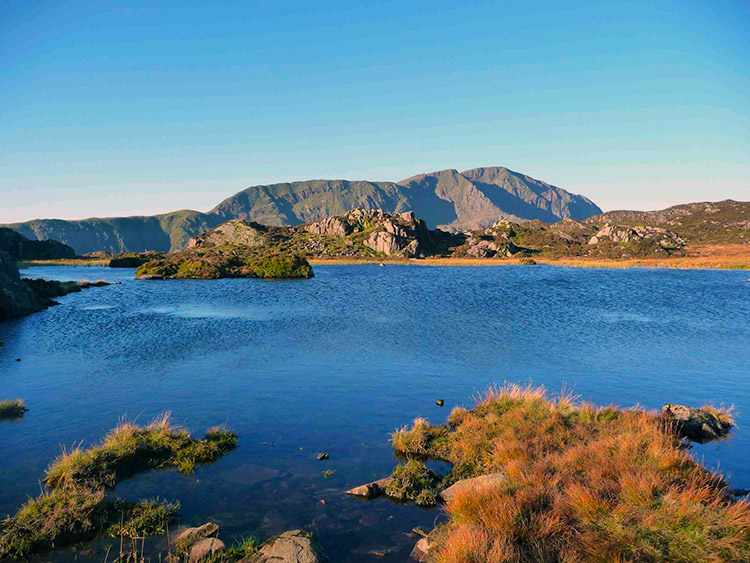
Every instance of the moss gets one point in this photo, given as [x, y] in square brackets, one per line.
[12, 409]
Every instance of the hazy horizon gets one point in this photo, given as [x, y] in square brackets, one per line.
[112, 110]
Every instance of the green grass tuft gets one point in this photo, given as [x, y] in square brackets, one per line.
[12, 409]
[130, 449]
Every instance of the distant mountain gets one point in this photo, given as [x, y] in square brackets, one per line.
[449, 199]
[721, 222]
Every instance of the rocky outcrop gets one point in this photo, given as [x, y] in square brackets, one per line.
[16, 298]
[236, 231]
[697, 425]
[294, 546]
[422, 551]
[471, 484]
[371, 490]
[625, 234]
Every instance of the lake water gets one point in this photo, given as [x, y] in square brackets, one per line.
[337, 362]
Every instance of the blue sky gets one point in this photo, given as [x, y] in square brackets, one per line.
[114, 109]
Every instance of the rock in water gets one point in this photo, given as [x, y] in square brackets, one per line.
[694, 424]
[440, 402]
[371, 490]
[294, 546]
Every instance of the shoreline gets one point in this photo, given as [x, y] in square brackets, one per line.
[729, 257]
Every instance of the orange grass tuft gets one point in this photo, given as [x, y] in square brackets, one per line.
[584, 483]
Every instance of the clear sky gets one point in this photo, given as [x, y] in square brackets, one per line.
[131, 108]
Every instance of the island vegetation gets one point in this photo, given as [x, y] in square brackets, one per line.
[569, 481]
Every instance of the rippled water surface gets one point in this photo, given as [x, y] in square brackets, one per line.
[337, 362]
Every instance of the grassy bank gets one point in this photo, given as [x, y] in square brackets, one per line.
[581, 483]
[74, 507]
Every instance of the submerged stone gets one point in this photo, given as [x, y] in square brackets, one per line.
[371, 490]
[694, 424]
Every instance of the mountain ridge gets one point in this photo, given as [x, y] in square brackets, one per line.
[449, 199]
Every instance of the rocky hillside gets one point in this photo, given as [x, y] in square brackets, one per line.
[721, 222]
[366, 233]
[18, 247]
[455, 200]
[360, 233]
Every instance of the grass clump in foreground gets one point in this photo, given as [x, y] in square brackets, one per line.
[414, 481]
[64, 517]
[12, 409]
[583, 483]
[130, 449]
[75, 509]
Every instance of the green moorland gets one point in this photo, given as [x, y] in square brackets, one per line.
[581, 483]
[74, 507]
[231, 261]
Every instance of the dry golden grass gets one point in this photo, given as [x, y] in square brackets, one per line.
[64, 262]
[583, 483]
[736, 257]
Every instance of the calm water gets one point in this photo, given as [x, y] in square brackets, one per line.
[337, 362]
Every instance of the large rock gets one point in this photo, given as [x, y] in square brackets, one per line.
[627, 234]
[695, 424]
[294, 546]
[474, 483]
[16, 298]
[371, 490]
[189, 536]
[421, 551]
[205, 547]
[236, 232]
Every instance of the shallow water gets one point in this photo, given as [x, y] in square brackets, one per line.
[337, 362]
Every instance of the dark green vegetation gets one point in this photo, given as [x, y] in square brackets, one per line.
[75, 507]
[21, 248]
[229, 262]
[12, 409]
[581, 483]
[458, 200]
[67, 517]
[413, 481]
